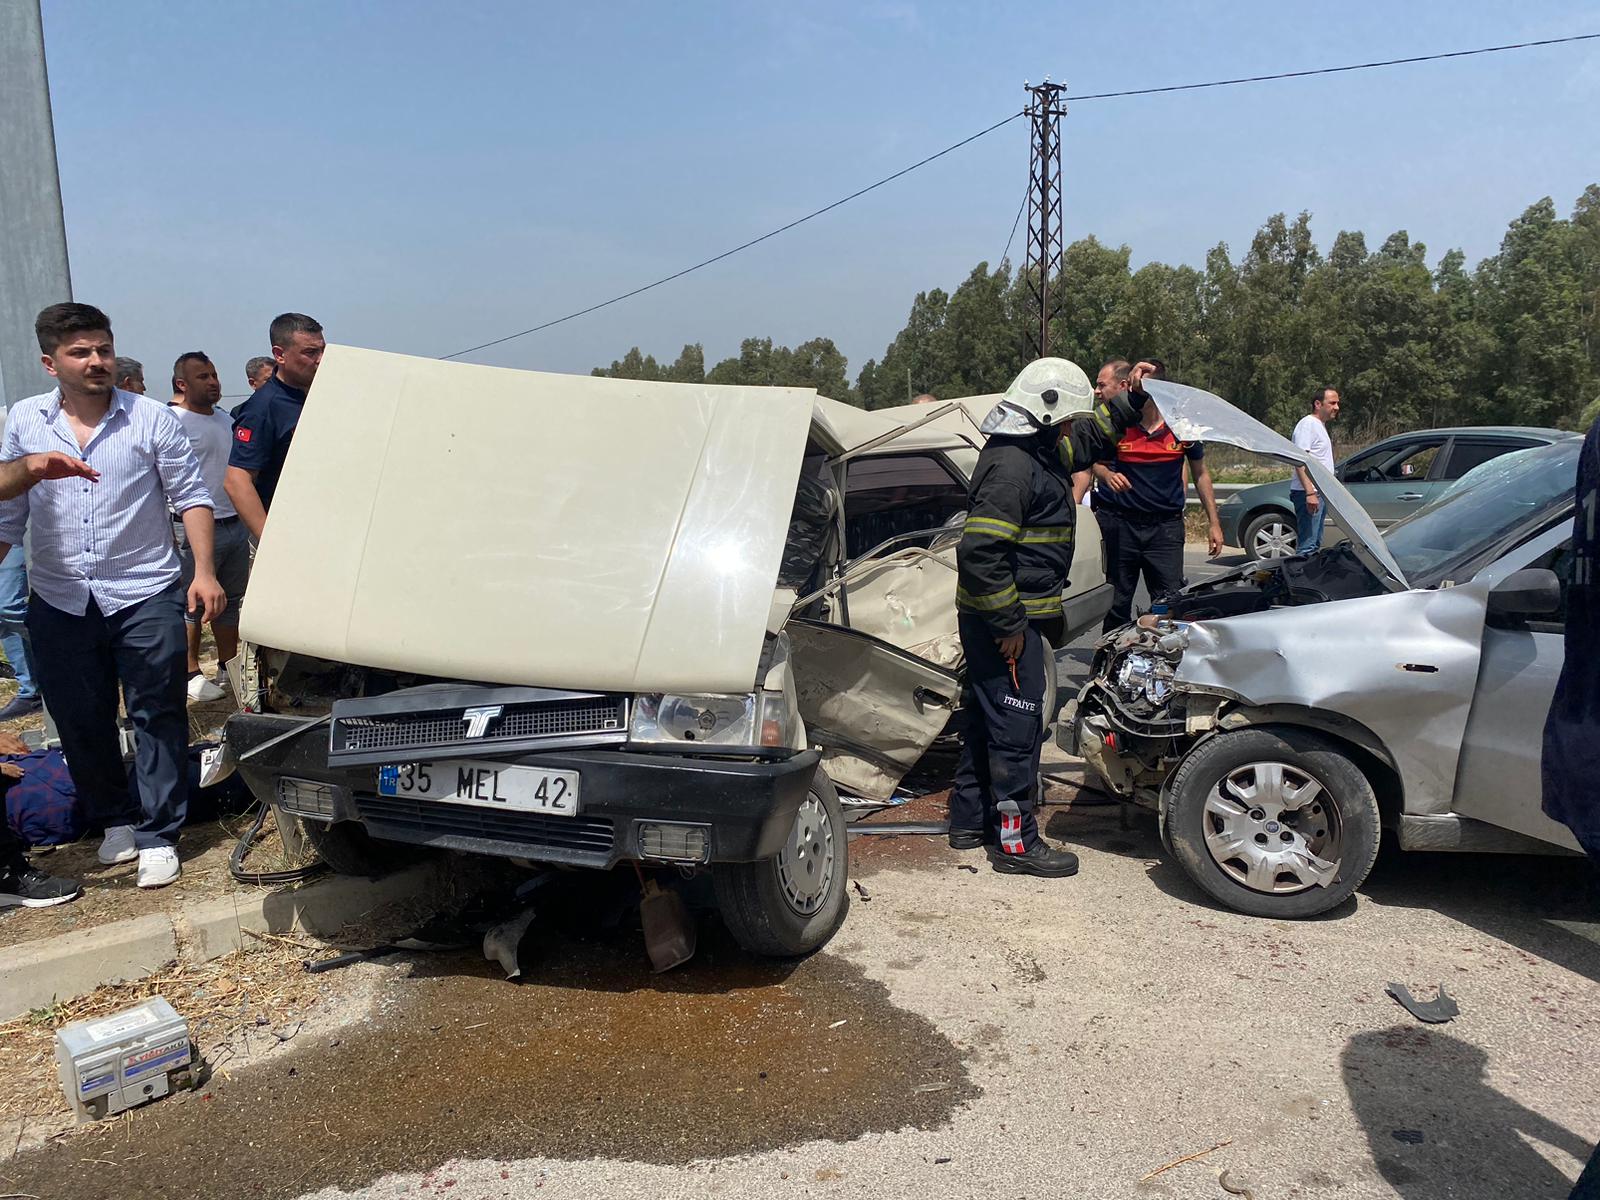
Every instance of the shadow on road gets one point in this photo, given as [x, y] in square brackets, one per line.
[1549, 907]
[1437, 1128]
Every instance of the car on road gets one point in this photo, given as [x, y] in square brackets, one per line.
[1280, 716]
[577, 622]
[1390, 480]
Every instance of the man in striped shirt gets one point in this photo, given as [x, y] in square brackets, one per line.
[107, 606]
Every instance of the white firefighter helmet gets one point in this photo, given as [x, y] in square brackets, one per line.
[1047, 392]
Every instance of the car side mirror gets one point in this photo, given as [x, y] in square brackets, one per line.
[1530, 592]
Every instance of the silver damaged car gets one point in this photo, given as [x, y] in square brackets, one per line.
[1279, 717]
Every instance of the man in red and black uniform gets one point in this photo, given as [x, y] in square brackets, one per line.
[1139, 499]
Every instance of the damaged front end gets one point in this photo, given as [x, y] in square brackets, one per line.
[1141, 711]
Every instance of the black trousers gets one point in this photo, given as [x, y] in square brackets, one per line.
[1134, 546]
[997, 780]
[79, 661]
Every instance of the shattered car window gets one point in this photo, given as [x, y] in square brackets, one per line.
[810, 524]
[1483, 511]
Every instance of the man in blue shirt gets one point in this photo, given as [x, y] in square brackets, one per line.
[264, 425]
[107, 605]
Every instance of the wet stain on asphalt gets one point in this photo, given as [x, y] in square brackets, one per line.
[594, 1056]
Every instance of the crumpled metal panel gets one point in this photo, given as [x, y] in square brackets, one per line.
[1195, 415]
[1404, 665]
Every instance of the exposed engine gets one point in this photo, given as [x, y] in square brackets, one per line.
[1133, 721]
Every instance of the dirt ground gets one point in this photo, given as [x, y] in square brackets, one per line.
[111, 894]
[966, 1033]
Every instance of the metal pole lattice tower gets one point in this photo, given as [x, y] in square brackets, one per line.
[1043, 266]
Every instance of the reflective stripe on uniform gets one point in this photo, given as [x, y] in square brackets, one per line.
[1047, 535]
[1010, 827]
[1041, 606]
[991, 527]
[993, 602]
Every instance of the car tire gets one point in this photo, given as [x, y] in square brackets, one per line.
[779, 907]
[1270, 535]
[349, 849]
[1222, 824]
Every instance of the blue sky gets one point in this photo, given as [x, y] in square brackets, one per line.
[426, 176]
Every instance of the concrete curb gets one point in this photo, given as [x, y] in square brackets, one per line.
[38, 973]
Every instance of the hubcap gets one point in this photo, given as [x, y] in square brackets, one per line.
[807, 861]
[1275, 539]
[1274, 828]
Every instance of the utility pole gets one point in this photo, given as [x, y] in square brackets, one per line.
[33, 238]
[1046, 242]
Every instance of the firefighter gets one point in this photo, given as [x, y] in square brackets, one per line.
[1016, 548]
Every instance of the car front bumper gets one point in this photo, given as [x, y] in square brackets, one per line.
[746, 808]
[1230, 515]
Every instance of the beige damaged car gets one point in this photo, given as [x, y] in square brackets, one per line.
[574, 621]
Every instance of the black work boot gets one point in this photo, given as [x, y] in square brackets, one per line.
[965, 839]
[22, 883]
[1040, 859]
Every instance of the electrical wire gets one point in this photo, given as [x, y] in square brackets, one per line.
[746, 245]
[1026, 193]
[1366, 66]
[1177, 87]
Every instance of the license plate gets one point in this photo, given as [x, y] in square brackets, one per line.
[484, 785]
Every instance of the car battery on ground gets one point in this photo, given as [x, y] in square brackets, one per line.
[110, 1064]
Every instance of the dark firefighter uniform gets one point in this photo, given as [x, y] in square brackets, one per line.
[1571, 752]
[1015, 551]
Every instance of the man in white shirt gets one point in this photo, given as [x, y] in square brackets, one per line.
[194, 379]
[1312, 436]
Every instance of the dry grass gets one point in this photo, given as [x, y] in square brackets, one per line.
[261, 990]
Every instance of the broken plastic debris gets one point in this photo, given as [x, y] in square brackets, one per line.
[1434, 1012]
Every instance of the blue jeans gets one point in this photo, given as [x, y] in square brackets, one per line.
[13, 620]
[1307, 524]
[82, 660]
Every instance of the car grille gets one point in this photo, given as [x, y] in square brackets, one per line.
[518, 723]
[462, 820]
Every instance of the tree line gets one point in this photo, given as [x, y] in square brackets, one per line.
[1515, 340]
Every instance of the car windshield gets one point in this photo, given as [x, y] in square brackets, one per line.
[1486, 508]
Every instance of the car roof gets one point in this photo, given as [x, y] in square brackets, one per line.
[1539, 432]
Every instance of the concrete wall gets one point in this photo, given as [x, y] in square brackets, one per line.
[33, 235]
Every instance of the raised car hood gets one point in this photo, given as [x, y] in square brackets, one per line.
[1195, 415]
[518, 527]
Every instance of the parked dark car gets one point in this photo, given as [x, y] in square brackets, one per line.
[1391, 480]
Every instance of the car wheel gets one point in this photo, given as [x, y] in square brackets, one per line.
[1273, 822]
[349, 849]
[1271, 535]
[793, 903]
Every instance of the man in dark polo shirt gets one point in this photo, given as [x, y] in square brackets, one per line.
[264, 425]
[1139, 499]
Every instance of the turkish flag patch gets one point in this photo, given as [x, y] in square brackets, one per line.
[242, 434]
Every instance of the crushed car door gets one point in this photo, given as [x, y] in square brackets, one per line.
[871, 707]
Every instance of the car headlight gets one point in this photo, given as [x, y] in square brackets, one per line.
[758, 720]
[1146, 676]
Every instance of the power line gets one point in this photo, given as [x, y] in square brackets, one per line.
[745, 246]
[1177, 87]
[1016, 222]
[1367, 66]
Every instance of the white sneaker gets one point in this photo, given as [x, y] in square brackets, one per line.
[117, 845]
[203, 691]
[158, 866]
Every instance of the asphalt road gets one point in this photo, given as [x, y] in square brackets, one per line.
[966, 1034]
